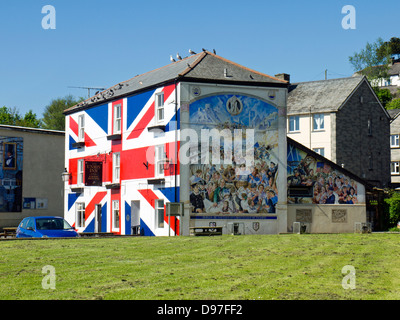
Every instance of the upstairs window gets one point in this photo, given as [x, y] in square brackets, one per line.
[318, 122]
[394, 168]
[116, 167]
[80, 172]
[159, 160]
[394, 141]
[81, 127]
[159, 107]
[294, 123]
[117, 118]
[369, 127]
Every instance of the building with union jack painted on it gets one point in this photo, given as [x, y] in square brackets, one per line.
[202, 131]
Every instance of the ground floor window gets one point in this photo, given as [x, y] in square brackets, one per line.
[160, 213]
[115, 214]
[80, 215]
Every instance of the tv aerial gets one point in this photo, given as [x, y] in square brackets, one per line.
[89, 88]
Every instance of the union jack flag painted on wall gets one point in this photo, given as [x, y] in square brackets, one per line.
[120, 136]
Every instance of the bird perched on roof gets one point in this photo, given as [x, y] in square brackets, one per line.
[178, 56]
[172, 59]
[215, 52]
[191, 51]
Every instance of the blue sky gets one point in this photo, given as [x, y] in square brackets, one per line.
[99, 43]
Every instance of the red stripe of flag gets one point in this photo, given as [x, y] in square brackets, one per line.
[96, 200]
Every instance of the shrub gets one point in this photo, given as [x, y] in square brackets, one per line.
[394, 207]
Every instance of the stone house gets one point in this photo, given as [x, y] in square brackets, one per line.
[344, 121]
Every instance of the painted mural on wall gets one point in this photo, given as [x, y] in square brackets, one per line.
[326, 185]
[239, 175]
[11, 155]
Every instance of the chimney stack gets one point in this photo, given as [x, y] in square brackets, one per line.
[283, 76]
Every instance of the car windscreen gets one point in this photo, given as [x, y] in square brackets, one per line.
[52, 224]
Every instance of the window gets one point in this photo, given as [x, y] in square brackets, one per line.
[115, 214]
[80, 172]
[159, 213]
[81, 127]
[80, 215]
[394, 141]
[394, 167]
[320, 151]
[30, 223]
[116, 167]
[117, 118]
[318, 121]
[294, 123]
[159, 160]
[160, 107]
[369, 127]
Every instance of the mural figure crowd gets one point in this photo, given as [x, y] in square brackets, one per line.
[329, 186]
[236, 188]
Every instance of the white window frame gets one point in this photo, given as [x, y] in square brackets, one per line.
[159, 105]
[296, 123]
[81, 128]
[80, 215]
[117, 118]
[159, 159]
[115, 215]
[318, 122]
[80, 172]
[159, 213]
[116, 167]
[394, 141]
[320, 151]
[395, 167]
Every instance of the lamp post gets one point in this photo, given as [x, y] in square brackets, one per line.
[65, 175]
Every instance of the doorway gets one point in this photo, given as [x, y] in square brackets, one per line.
[135, 217]
[97, 222]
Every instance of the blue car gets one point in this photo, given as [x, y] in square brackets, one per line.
[45, 227]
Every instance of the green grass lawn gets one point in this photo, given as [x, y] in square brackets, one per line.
[226, 267]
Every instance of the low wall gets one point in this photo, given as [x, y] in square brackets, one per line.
[326, 218]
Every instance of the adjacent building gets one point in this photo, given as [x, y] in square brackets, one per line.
[344, 121]
[395, 147]
[31, 163]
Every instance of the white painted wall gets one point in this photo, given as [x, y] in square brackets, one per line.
[311, 138]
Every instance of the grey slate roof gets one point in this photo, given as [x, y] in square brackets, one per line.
[202, 66]
[394, 113]
[320, 96]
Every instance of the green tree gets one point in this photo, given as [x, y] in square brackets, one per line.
[383, 95]
[371, 61]
[11, 116]
[53, 117]
[391, 48]
[394, 104]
